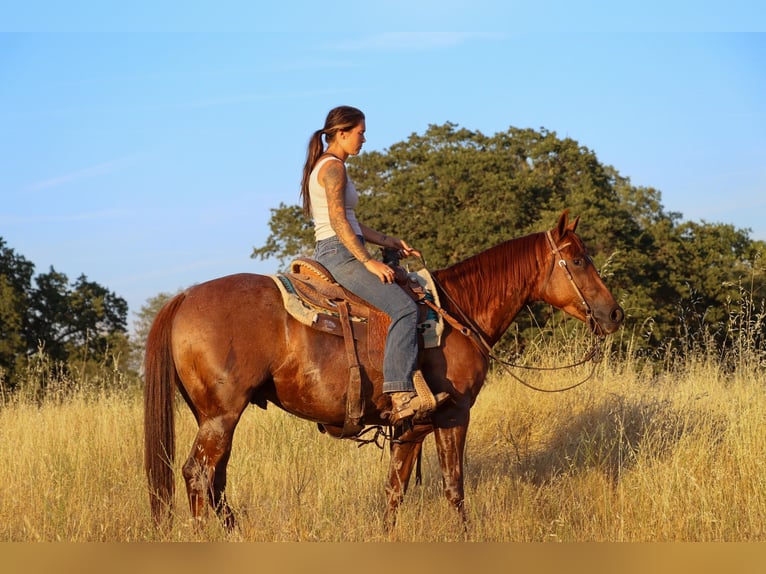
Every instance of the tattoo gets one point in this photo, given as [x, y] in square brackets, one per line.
[334, 182]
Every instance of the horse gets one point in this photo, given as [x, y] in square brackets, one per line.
[229, 342]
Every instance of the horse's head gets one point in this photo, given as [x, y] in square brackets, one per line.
[574, 285]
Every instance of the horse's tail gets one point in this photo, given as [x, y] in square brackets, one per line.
[161, 378]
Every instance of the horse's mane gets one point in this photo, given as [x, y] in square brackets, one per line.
[478, 275]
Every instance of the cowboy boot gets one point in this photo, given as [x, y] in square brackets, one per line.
[416, 405]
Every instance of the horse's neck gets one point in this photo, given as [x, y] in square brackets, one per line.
[492, 287]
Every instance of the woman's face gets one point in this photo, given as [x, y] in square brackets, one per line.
[353, 139]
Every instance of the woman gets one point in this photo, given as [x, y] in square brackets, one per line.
[330, 198]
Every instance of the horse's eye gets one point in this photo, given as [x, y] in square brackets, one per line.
[577, 262]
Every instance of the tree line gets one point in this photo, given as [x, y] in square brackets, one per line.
[453, 192]
[75, 323]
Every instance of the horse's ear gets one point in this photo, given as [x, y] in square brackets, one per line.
[573, 225]
[565, 225]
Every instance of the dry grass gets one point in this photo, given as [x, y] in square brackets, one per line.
[629, 456]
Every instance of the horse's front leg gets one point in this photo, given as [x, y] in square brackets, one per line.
[450, 447]
[405, 449]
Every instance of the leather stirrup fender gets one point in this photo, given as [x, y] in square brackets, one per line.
[352, 424]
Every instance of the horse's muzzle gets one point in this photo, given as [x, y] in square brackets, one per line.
[606, 324]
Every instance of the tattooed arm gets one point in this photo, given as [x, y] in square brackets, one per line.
[333, 178]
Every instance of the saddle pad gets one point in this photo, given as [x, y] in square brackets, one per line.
[432, 326]
[293, 303]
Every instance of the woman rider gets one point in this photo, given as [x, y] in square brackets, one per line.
[330, 198]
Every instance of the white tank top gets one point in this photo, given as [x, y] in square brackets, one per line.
[319, 211]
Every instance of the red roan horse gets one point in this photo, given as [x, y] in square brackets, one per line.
[229, 342]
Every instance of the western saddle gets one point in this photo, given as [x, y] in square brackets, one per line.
[313, 297]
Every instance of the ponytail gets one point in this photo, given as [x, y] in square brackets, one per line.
[314, 152]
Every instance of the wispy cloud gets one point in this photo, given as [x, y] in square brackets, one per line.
[81, 174]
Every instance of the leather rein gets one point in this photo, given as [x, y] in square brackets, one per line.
[468, 328]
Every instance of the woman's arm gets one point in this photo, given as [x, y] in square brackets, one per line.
[384, 240]
[333, 178]
[376, 237]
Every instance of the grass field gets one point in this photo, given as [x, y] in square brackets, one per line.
[635, 454]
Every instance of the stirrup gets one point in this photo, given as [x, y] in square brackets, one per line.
[425, 416]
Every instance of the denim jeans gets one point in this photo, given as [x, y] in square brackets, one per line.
[401, 353]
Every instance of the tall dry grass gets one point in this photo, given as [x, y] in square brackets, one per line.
[643, 451]
[633, 456]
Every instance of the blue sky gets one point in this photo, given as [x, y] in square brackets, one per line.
[148, 161]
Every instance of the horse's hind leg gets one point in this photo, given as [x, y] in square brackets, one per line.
[205, 469]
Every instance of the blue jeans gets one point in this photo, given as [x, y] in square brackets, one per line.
[401, 353]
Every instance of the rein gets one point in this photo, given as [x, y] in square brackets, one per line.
[594, 354]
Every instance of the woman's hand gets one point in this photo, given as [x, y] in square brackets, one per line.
[387, 241]
[380, 270]
[404, 249]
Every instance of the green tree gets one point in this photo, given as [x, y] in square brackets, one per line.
[82, 323]
[97, 331]
[49, 315]
[713, 262]
[291, 235]
[15, 276]
[453, 192]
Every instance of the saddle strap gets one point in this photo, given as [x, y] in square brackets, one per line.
[354, 401]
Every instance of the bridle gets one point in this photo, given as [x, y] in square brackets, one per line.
[469, 329]
[562, 263]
